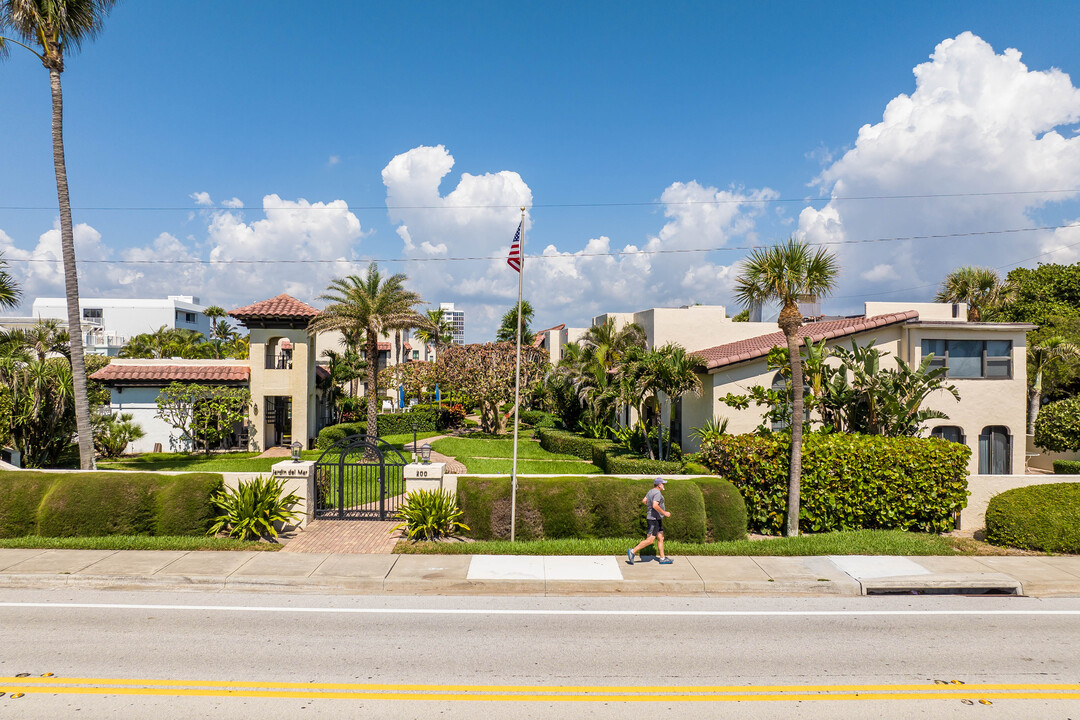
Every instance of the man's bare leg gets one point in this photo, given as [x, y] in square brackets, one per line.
[660, 544]
[649, 540]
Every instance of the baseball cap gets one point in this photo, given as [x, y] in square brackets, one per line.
[658, 481]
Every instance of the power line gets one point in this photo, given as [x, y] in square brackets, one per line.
[613, 253]
[496, 206]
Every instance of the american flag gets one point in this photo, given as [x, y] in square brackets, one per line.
[515, 259]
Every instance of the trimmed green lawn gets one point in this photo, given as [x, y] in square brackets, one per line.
[855, 542]
[486, 454]
[135, 542]
[227, 462]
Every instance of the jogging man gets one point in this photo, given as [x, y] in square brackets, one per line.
[655, 515]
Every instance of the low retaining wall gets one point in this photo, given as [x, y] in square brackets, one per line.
[984, 487]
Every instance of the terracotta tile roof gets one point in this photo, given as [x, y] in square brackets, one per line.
[541, 335]
[760, 346]
[165, 373]
[321, 372]
[282, 307]
[407, 346]
[384, 347]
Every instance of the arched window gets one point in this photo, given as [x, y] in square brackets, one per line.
[995, 451]
[781, 384]
[948, 432]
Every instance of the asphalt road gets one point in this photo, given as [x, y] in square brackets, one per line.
[186, 655]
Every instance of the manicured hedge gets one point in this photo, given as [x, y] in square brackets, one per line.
[610, 457]
[1037, 517]
[96, 504]
[537, 418]
[1067, 467]
[702, 509]
[849, 482]
[427, 420]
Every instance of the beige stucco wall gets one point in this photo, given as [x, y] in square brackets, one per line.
[983, 401]
[926, 310]
[983, 487]
[297, 383]
[1042, 459]
[695, 328]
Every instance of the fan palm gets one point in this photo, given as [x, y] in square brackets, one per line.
[437, 330]
[44, 338]
[372, 304]
[981, 288]
[9, 289]
[507, 331]
[783, 274]
[1040, 357]
[50, 29]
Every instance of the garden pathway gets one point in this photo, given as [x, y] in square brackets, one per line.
[345, 536]
[453, 467]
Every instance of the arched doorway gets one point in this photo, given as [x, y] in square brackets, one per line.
[995, 451]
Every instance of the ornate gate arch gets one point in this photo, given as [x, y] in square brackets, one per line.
[359, 478]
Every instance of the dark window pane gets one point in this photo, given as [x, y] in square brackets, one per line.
[948, 432]
[934, 347]
[998, 348]
[965, 358]
[998, 367]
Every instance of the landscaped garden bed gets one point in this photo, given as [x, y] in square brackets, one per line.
[137, 542]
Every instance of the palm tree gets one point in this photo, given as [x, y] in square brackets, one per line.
[372, 304]
[680, 375]
[981, 288]
[437, 331]
[54, 27]
[45, 337]
[785, 273]
[10, 293]
[507, 331]
[1040, 357]
[216, 315]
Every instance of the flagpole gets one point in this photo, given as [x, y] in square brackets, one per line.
[517, 384]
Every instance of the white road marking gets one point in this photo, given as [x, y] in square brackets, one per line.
[528, 612]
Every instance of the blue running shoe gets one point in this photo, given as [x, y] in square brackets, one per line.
[630, 555]
[665, 561]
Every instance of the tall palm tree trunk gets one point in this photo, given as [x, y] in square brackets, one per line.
[372, 345]
[1034, 403]
[789, 321]
[71, 280]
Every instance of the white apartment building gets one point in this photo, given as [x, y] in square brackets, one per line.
[108, 323]
[457, 320]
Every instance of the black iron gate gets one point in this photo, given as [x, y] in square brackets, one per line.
[359, 478]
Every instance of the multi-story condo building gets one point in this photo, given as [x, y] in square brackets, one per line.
[108, 323]
[457, 319]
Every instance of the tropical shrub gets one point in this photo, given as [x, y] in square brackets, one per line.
[1036, 517]
[710, 430]
[1067, 467]
[537, 418]
[95, 504]
[849, 482]
[203, 414]
[454, 416]
[703, 509]
[430, 515]
[113, 432]
[1057, 428]
[252, 509]
[427, 420]
[607, 455]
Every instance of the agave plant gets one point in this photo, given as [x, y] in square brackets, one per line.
[430, 515]
[251, 510]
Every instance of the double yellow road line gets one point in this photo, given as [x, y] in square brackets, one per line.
[534, 693]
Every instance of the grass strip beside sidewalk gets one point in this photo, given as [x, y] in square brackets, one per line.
[854, 542]
[135, 542]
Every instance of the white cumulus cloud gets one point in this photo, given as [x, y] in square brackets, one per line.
[977, 122]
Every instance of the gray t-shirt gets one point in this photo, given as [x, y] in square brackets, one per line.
[654, 496]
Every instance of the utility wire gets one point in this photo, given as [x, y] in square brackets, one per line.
[613, 253]
[649, 203]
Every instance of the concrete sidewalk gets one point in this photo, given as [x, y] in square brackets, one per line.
[531, 575]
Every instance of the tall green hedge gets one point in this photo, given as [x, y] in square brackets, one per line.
[1067, 467]
[95, 504]
[1036, 517]
[610, 457]
[702, 509]
[849, 482]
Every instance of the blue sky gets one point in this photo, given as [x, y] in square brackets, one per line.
[619, 124]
